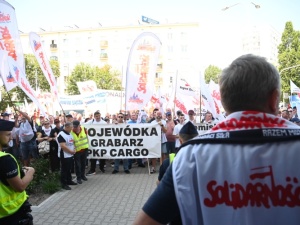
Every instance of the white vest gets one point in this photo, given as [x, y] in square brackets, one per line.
[69, 143]
[223, 183]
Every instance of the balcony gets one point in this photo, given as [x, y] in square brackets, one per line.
[159, 68]
[103, 44]
[103, 56]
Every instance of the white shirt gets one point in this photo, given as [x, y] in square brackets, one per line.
[163, 135]
[93, 121]
[176, 130]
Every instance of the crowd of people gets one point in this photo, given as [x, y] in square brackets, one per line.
[241, 170]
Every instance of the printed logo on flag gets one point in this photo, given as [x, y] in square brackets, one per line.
[10, 78]
[135, 98]
[4, 18]
[36, 45]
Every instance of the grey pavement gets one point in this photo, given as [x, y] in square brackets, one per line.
[105, 198]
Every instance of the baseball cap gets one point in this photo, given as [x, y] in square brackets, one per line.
[6, 125]
[5, 114]
[56, 121]
[191, 112]
[168, 114]
[69, 116]
[76, 123]
[188, 128]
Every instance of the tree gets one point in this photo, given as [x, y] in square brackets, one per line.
[104, 77]
[212, 73]
[289, 56]
[35, 77]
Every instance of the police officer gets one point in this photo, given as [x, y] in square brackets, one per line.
[14, 207]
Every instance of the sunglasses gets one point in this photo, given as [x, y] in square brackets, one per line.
[120, 116]
[46, 123]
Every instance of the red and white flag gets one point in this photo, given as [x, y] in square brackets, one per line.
[183, 87]
[8, 80]
[87, 87]
[40, 55]
[10, 43]
[23, 83]
[141, 69]
[215, 93]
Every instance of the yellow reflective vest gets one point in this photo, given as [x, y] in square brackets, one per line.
[10, 200]
[80, 140]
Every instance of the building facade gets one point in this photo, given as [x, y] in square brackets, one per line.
[111, 45]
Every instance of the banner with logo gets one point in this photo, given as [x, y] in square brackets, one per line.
[8, 80]
[9, 43]
[87, 87]
[40, 55]
[124, 141]
[294, 88]
[141, 69]
[24, 84]
[184, 88]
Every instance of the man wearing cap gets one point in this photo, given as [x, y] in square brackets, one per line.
[79, 134]
[14, 207]
[246, 169]
[187, 132]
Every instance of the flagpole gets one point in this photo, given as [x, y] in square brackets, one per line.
[200, 97]
[175, 89]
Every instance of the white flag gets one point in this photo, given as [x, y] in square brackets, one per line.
[40, 55]
[87, 87]
[183, 87]
[8, 80]
[141, 69]
[10, 43]
[23, 83]
[294, 88]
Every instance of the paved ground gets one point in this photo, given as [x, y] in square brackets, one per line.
[103, 199]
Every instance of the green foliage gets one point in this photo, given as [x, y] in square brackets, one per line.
[43, 180]
[104, 77]
[35, 77]
[289, 56]
[212, 73]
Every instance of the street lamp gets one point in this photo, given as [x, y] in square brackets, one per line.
[228, 7]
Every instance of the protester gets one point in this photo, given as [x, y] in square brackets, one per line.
[162, 123]
[27, 137]
[187, 132]
[14, 207]
[245, 170]
[53, 155]
[66, 151]
[176, 131]
[81, 146]
[96, 120]
[117, 161]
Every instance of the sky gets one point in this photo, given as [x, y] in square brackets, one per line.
[32, 14]
[219, 27]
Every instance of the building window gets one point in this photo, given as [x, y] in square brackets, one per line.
[77, 53]
[170, 36]
[90, 52]
[170, 49]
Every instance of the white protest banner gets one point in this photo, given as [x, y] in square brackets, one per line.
[40, 55]
[204, 127]
[141, 69]
[124, 141]
[9, 43]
